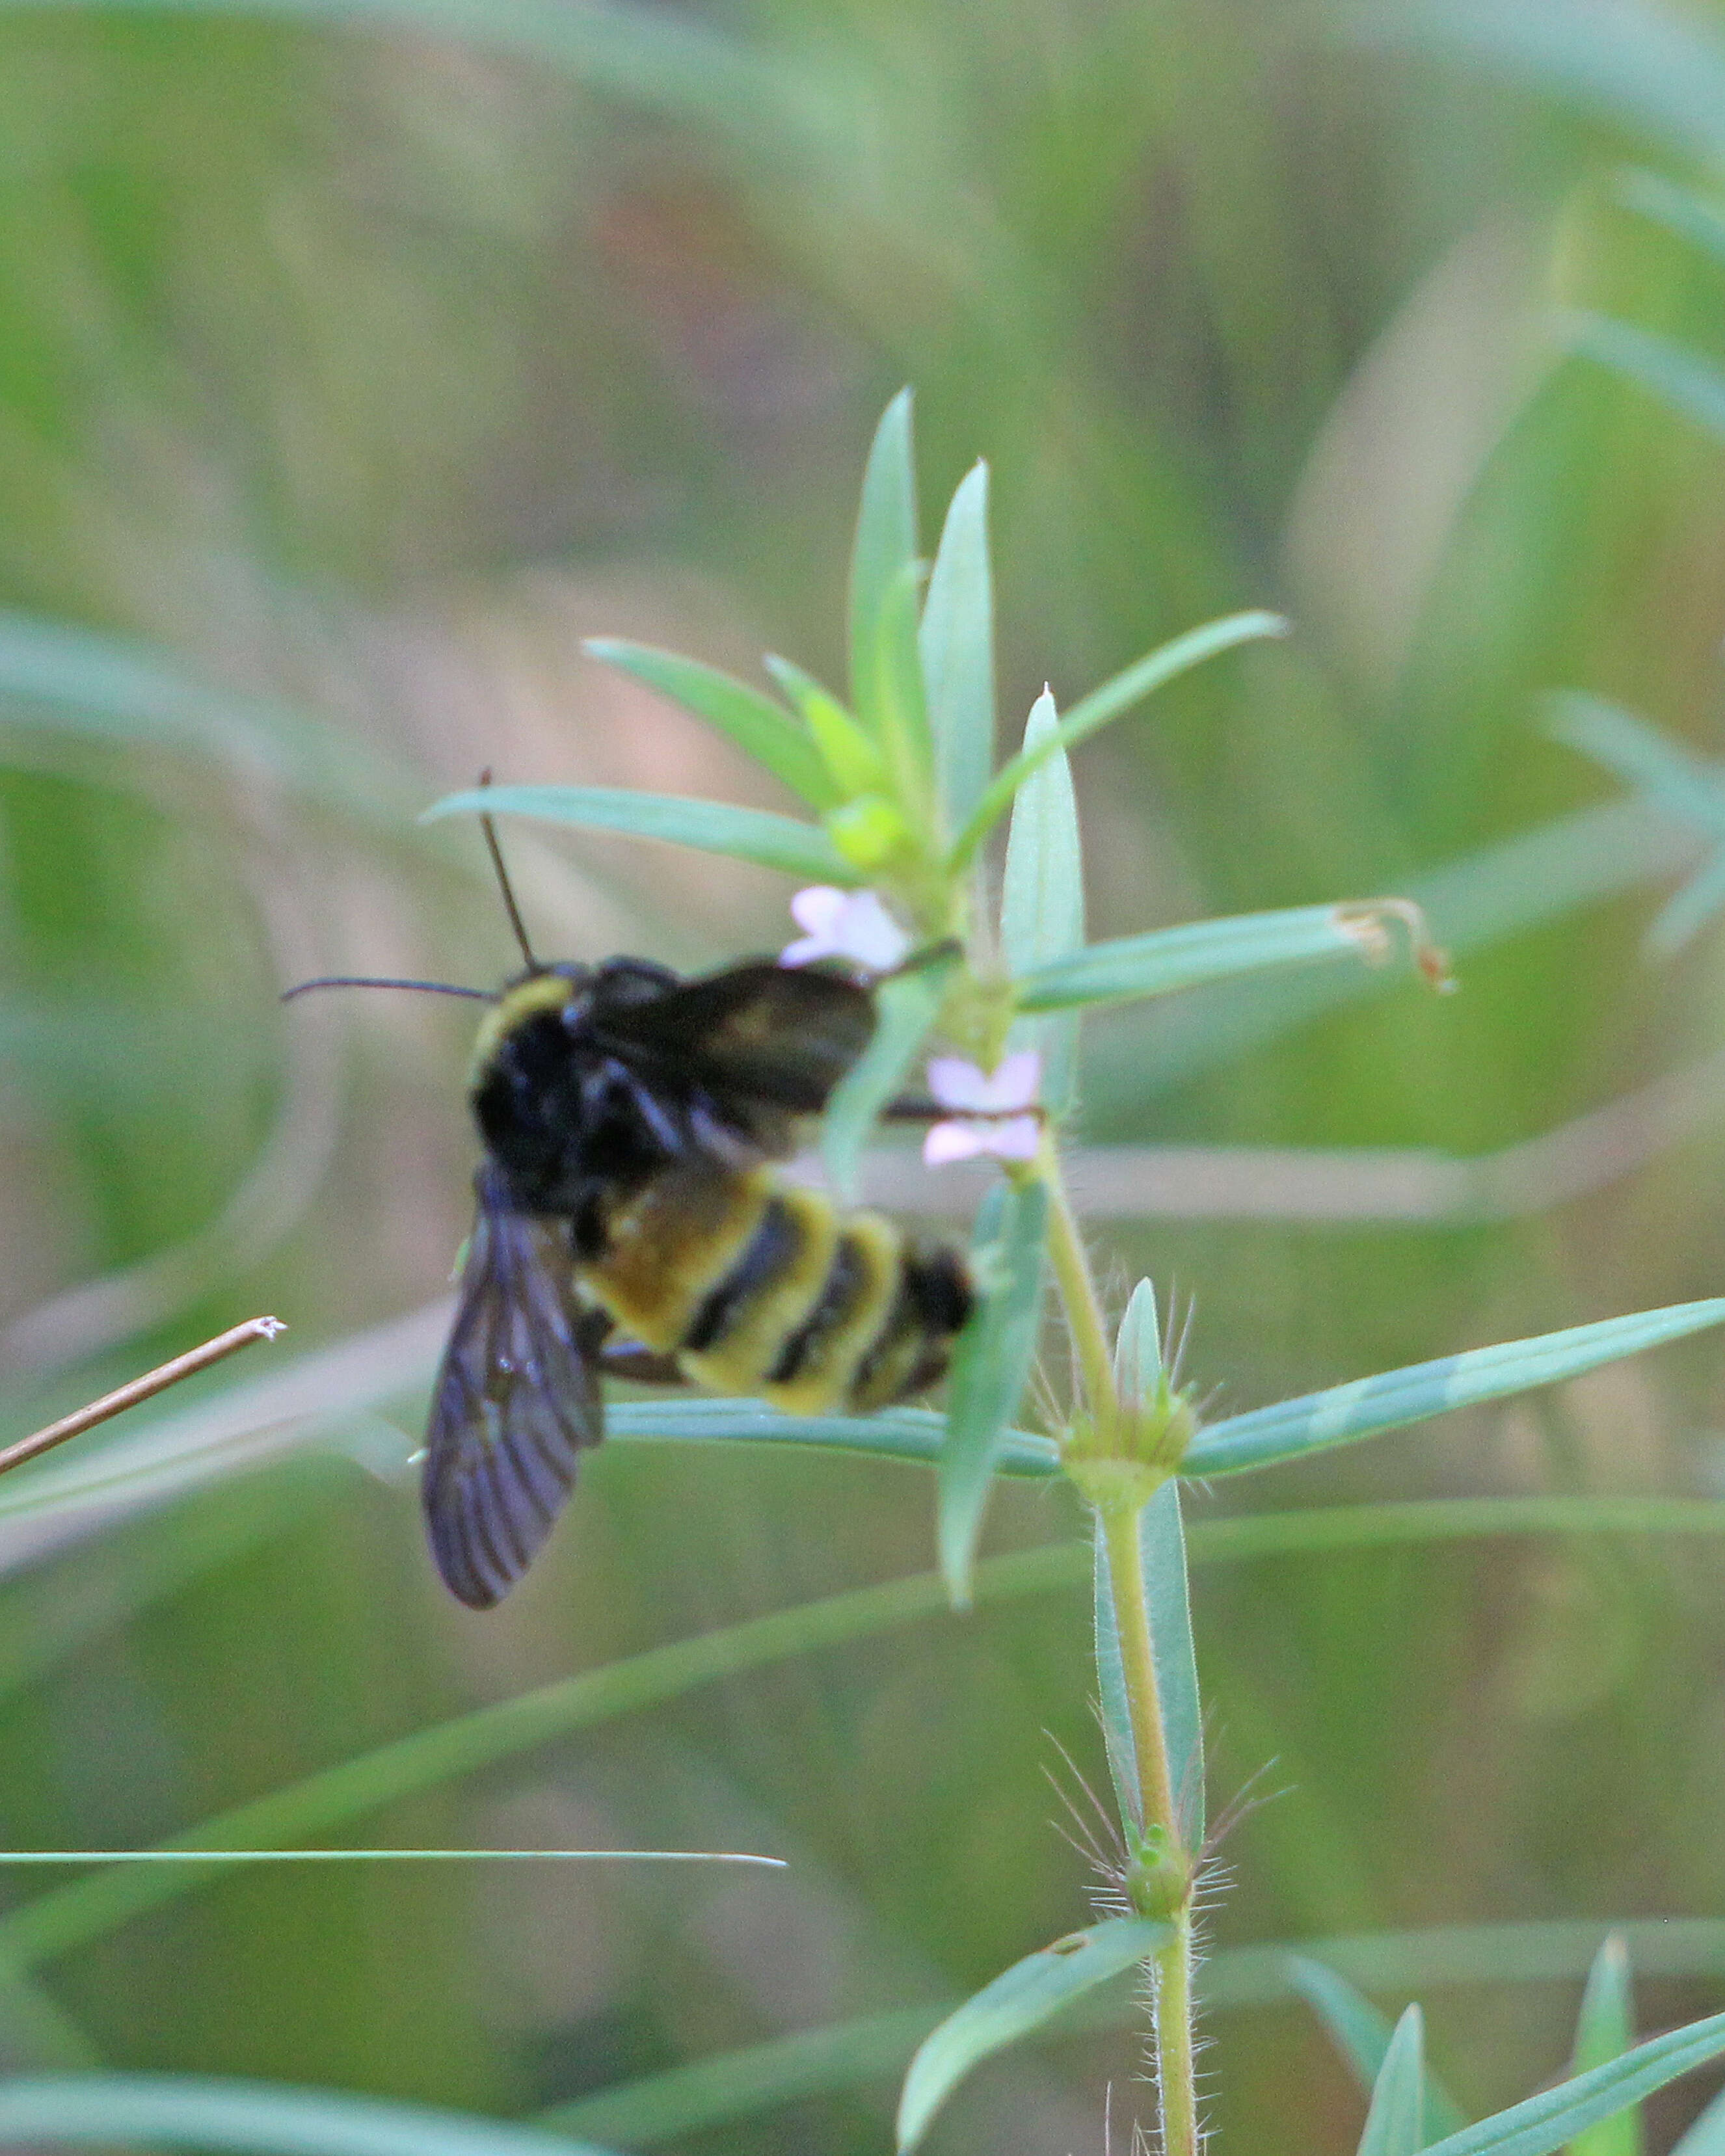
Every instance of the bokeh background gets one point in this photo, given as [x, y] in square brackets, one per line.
[358, 361]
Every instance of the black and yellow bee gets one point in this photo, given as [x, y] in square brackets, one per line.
[629, 1220]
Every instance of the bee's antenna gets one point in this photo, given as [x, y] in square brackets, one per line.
[368, 981]
[509, 906]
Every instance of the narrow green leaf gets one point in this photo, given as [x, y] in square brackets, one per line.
[901, 703]
[1604, 2030]
[885, 549]
[1362, 2035]
[1163, 1541]
[908, 1434]
[843, 2054]
[384, 1855]
[70, 1915]
[958, 645]
[1656, 765]
[1165, 959]
[850, 754]
[1692, 386]
[1140, 679]
[1652, 75]
[1679, 210]
[262, 2119]
[1417, 1961]
[1016, 2003]
[1137, 1346]
[1445, 1519]
[1707, 2135]
[906, 1008]
[1118, 1736]
[107, 688]
[1546, 2121]
[990, 1368]
[1293, 1429]
[39, 2033]
[1684, 915]
[712, 2091]
[1042, 900]
[712, 827]
[1395, 2123]
[754, 722]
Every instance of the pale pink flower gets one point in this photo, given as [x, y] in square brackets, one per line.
[852, 925]
[996, 1115]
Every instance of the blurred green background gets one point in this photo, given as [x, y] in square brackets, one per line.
[355, 362]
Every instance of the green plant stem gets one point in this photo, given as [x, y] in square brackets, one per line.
[1138, 1659]
[1160, 1832]
[1176, 2084]
[1070, 1261]
[1164, 1840]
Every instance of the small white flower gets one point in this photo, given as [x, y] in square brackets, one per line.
[852, 925]
[996, 1113]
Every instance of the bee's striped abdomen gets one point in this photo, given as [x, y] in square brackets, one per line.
[758, 1287]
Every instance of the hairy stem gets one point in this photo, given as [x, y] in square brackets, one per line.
[1169, 1865]
[1176, 2086]
[1070, 1261]
[1137, 1661]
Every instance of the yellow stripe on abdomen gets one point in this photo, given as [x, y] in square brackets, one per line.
[758, 1287]
[670, 1246]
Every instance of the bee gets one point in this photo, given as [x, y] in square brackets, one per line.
[629, 1220]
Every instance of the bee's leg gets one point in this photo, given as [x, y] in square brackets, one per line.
[914, 1108]
[624, 1357]
[918, 1108]
[640, 1365]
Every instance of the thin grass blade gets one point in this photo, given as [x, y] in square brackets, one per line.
[754, 722]
[261, 2119]
[1018, 2002]
[1684, 916]
[1604, 2030]
[1197, 951]
[711, 827]
[956, 641]
[1361, 2035]
[1656, 75]
[757, 2078]
[1546, 2121]
[842, 2055]
[1679, 210]
[85, 1909]
[1395, 2123]
[1651, 760]
[990, 1368]
[1689, 385]
[1094, 712]
[1707, 2135]
[1293, 1429]
[107, 688]
[1042, 900]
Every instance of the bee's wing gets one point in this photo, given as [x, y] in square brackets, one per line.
[779, 1035]
[517, 1397]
